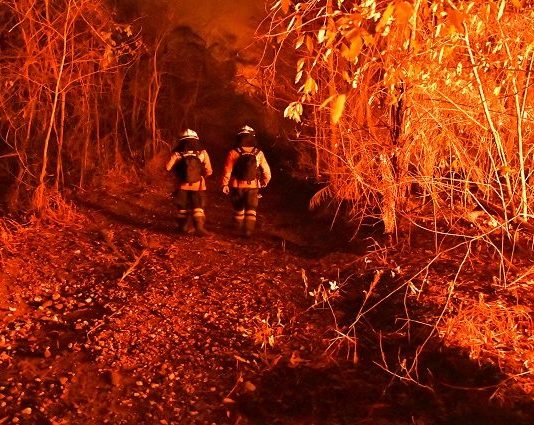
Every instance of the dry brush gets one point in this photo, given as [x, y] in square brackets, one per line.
[62, 70]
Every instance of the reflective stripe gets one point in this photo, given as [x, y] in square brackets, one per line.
[250, 215]
[182, 213]
[198, 212]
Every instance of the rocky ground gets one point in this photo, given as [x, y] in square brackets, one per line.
[110, 316]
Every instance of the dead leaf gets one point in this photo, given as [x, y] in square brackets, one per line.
[249, 386]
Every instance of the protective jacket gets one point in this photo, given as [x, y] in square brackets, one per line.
[261, 162]
[208, 171]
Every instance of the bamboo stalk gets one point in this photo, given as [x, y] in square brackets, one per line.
[489, 118]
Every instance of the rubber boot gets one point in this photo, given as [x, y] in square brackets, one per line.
[182, 225]
[249, 227]
[185, 224]
[238, 225]
[199, 226]
[188, 225]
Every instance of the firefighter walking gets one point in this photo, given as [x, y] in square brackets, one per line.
[245, 171]
[191, 164]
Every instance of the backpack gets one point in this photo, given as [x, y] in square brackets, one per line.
[246, 166]
[189, 167]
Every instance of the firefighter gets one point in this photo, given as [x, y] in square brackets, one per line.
[191, 164]
[245, 171]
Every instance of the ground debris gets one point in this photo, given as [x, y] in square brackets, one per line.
[115, 321]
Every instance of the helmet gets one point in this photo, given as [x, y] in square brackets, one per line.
[246, 137]
[189, 134]
[247, 130]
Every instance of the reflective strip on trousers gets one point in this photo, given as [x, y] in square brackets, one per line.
[250, 215]
[198, 212]
[182, 213]
[239, 215]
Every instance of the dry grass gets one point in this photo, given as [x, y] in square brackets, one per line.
[117, 178]
[52, 205]
[8, 228]
[500, 333]
[445, 123]
[493, 327]
[437, 131]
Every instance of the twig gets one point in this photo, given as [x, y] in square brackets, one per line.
[133, 266]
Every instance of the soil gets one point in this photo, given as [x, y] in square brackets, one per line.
[113, 317]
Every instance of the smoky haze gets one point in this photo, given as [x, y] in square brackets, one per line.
[211, 19]
[208, 63]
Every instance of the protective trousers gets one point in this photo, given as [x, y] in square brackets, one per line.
[245, 204]
[190, 205]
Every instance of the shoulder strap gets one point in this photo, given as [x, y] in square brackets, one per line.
[240, 150]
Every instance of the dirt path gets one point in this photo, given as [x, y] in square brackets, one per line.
[116, 319]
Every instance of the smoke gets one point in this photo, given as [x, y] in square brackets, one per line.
[214, 20]
[208, 61]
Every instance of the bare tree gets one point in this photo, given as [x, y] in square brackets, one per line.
[60, 62]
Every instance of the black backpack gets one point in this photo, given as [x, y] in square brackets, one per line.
[246, 166]
[189, 167]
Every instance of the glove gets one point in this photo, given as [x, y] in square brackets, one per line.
[226, 189]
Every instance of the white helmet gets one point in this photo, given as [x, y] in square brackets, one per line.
[189, 134]
[247, 130]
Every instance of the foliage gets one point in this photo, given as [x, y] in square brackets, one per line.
[407, 104]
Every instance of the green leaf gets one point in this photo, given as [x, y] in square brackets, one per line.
[285, 6]
[403, 12]
[338, 108]
[353, 51]
[385, 17]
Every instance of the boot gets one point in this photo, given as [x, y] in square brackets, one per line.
[199, 226]
[249, 227]
[184, 224]
[188, 226]
[238, 225]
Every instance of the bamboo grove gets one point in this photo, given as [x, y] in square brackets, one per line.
[416, 110]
